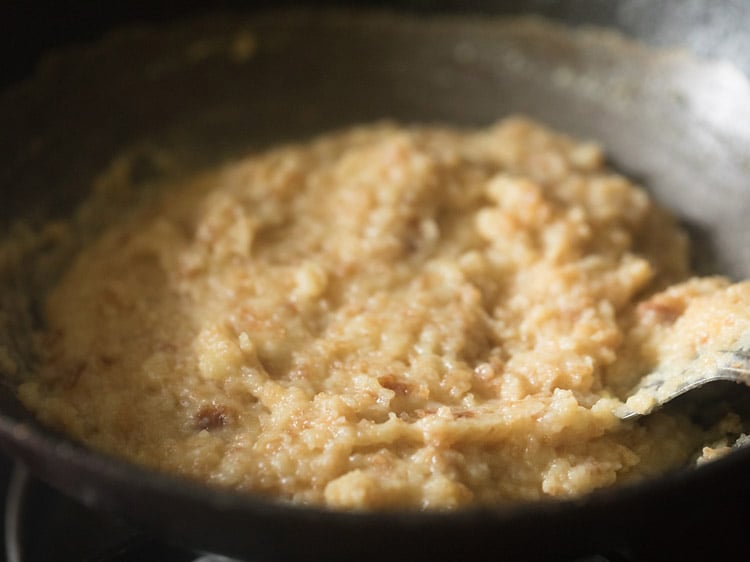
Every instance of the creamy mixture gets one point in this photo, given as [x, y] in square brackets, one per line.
[386, 317]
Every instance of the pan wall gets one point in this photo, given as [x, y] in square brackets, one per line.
[716, 28]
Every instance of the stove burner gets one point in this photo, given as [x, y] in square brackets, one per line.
[42, 525]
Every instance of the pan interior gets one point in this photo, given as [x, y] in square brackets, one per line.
[189, 95]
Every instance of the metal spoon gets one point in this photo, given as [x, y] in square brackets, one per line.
[701, 385]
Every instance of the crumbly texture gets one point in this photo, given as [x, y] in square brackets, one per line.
[386, 317]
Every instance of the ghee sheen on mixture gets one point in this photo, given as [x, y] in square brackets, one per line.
[385, 317]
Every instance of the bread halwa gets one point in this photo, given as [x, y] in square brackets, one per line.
[386, 317]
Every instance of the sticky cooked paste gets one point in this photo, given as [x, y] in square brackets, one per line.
[385, 317]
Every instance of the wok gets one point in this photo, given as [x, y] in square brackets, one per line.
[680, 124]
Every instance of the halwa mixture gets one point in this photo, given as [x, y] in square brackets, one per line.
[387, 317]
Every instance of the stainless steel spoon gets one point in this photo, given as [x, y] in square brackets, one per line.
[702, 381]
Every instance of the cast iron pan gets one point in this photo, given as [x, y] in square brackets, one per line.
[678, 124]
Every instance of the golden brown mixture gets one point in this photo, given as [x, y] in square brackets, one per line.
[386, 317]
